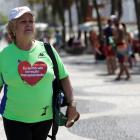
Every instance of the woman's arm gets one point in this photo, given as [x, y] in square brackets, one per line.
[71, 112]
[66, 85]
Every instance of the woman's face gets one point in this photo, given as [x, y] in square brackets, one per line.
[25, 27]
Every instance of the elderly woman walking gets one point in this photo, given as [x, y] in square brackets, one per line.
[27, 77]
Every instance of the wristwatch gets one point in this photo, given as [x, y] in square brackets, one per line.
[72, 103]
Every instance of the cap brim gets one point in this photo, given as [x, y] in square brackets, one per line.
[24, 12]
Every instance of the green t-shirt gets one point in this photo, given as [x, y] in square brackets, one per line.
[28, 77]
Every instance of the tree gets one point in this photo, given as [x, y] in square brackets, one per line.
[79, 15]
[116, 7]
[58, 10]
[43, 3]
[98, 20]
[137, 9]
[67, 6]
[62, 17]
[83, 6]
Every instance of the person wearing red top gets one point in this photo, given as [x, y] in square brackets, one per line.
[121, 49]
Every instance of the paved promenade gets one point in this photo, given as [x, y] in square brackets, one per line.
[109, 110]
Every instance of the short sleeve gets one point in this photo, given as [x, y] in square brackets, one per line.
[63, 72]
[1, 80]
[1, 77]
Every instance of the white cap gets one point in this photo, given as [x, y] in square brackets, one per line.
[18, 12]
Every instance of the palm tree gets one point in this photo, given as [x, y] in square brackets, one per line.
[58, 10]
[137, 7]
[113, 7]
[83, 6]
[61, 11]
[116, 7]
[99, 21]
[67, 5]
[44, 3]
[79, 15]
[77, 3]
[55, 11]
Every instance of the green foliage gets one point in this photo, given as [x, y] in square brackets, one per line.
[34, 1]
[3, 19]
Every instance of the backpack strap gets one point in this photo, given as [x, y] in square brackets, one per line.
[52, 56]
[56, 85]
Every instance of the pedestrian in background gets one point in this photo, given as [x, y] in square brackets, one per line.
[27, 76]
[131, 55]
[58, 40]
[121, 49]
[95, 45]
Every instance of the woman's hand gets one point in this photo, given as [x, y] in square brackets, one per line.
[71, 112]
[72, 115]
